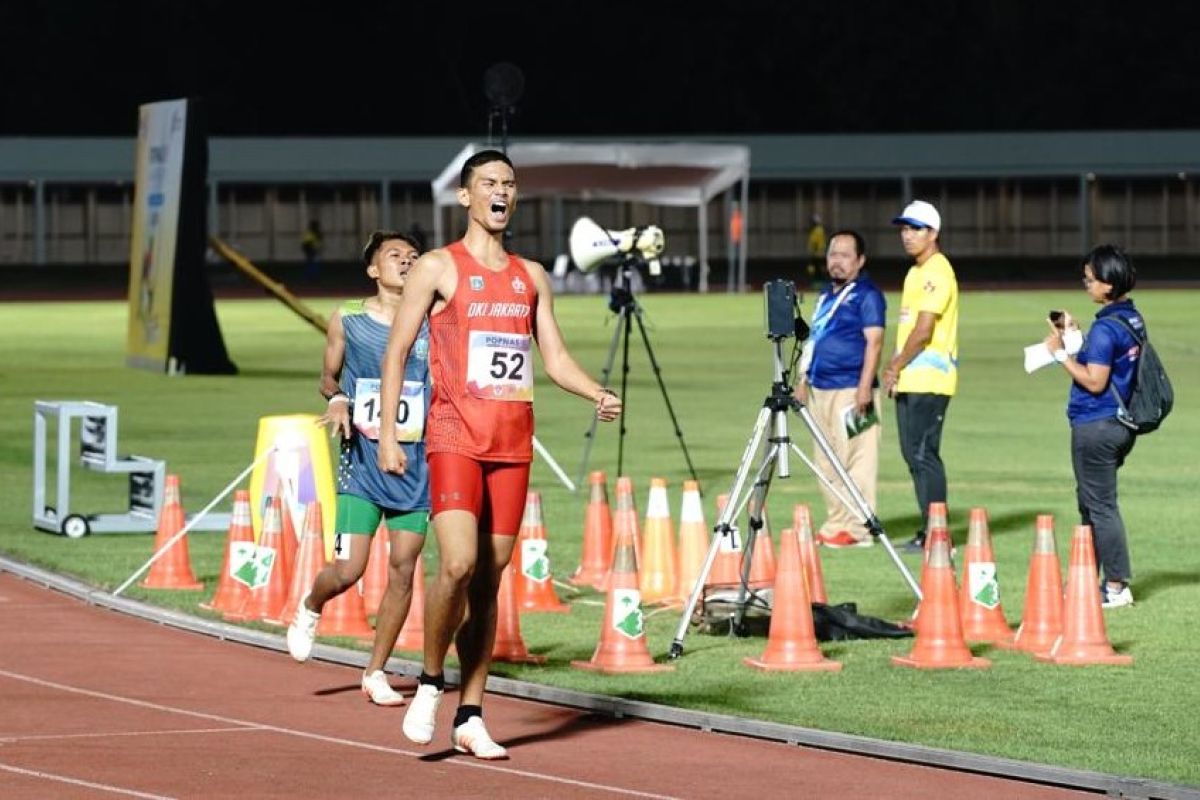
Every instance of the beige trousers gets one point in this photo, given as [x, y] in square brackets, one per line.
[860, 457]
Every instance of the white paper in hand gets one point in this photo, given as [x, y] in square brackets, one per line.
[1037, 356]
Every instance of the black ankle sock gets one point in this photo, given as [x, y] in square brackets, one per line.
[464, 713]
[437, 681]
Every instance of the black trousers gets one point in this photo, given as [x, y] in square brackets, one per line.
[919, 419]
[1098, 450]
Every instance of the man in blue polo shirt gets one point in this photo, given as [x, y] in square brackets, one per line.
[838, 382]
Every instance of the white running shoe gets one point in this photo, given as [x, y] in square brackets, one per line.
[421, 716]
[1119, 599]
[471, 737]
[302, 632]
[375, 687]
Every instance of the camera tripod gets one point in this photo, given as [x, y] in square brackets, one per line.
[622, 303]
[773, 417]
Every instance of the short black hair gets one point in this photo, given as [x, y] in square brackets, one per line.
[478, 160]
[860, 244]
[1111, 265]
[376, 240]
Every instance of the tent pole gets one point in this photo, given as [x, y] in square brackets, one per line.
[702, 209]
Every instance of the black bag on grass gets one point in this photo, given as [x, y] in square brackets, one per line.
[841, 622]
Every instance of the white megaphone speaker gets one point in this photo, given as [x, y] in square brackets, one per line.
[592, 245]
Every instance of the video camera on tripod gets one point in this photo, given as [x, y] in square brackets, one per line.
[781, 311]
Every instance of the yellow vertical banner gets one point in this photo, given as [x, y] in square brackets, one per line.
[157, 189]
[297, 469]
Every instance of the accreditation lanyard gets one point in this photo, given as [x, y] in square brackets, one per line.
[821, 317]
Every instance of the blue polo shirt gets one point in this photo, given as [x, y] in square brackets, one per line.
[837, 333]
[1108, 342]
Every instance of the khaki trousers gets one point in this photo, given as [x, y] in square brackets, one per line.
[860, 457]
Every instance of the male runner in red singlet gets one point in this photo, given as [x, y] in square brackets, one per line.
[485, 308]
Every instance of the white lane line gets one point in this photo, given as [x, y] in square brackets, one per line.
[457, 762]
[59, 736]
[104, 787]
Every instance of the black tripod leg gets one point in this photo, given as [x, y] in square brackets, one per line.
[624, 386]
[590, 436]
[663, 387]
[755, 513]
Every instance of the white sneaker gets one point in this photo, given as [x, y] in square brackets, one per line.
[1113, 599]
[375, 687]
[471, 737]
[302, 632]
[421, 716]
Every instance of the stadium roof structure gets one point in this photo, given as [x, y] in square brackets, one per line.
[681, 174]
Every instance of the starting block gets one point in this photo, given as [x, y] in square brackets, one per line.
[98, 452]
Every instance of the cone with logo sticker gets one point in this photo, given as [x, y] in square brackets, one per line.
[622, 647]
[173, 569]
[979, 596]
[939, 640]
[810, 557]
[412, 635]
[231, 593]
[597, 535]
[375, 577]
[1084, 638]
[658, 573]
[310, 559]
[534, 583]
[509, 645]
[726, 570]
[268, 589]
[1042, 618]
[693, 540]
[762, 565]
[792, 639]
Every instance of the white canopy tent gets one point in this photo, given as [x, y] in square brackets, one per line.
[684, 175]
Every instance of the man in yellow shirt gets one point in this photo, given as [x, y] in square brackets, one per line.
[923, 374]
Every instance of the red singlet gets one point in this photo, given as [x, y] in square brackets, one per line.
[481, 363]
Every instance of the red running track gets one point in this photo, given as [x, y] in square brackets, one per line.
[95, 704]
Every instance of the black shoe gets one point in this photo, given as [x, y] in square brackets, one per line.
[916, 544]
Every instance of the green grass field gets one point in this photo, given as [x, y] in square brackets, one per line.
[1005, 444]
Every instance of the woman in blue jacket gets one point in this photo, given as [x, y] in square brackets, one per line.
[1103, 368]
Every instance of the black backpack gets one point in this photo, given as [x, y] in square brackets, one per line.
[1152, 396]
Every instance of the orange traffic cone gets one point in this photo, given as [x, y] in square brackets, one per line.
[231, 593]
[658, 573]
[1084, 639]
[289, 542]
[375, 578]
[310, 560]
[726, 570]
[509, 646]
[693, 540]
[622, 646]
[810, 558]
[345, 615]
[1042, 619]
[938, 518]
[979, 598]
[597, 536]
[792, 639]
[624, 519]
[173, 569]
[534, 583]
[268, 591]
[762, 564]
[933, 535]
[412, 635]
[940, 643]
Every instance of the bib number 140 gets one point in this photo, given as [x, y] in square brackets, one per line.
[410, 415]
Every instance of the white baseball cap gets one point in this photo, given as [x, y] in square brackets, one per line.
[920, 214]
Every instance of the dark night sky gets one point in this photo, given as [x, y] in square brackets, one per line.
[80, 67]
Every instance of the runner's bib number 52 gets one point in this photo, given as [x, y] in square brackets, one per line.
[410, 416]
[499, 366]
